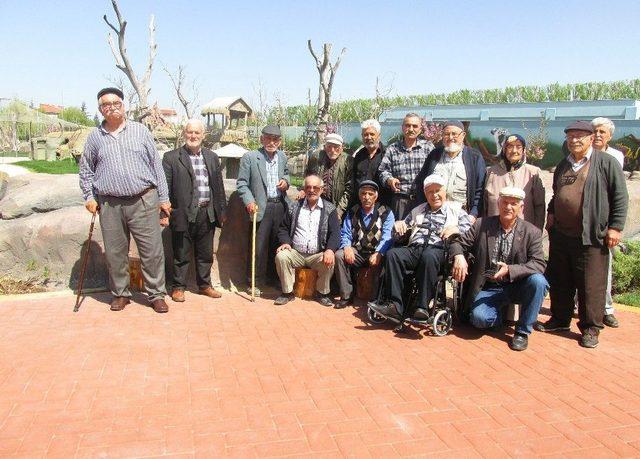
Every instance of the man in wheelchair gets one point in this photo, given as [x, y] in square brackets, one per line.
[427, 226]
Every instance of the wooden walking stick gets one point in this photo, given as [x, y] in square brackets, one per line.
[84, 263]
[253, 256]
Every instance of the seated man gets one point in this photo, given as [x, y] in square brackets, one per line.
[429, 224]
[309, 235]
[364, 239]
[508, 267]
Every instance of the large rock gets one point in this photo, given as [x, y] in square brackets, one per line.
[39, 193]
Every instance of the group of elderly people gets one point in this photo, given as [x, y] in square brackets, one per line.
[392, 207]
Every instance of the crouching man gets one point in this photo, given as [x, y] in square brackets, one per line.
[309, 236]
[428, 225]
[508, 268]
[364, 239]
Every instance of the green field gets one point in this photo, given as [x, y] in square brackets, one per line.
[65, 166]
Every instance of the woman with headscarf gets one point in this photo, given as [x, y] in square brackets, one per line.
[513, 170]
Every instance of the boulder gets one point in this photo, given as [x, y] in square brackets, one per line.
[38, 193]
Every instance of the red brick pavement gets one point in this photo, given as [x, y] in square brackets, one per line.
[230, 377]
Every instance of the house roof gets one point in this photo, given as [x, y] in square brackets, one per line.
[230, 151]
[168, 112]
[50, 109]
[227, 105]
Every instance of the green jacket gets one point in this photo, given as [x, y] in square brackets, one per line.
[342, 177]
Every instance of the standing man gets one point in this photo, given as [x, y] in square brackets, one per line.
[603, 129]
[585, 218]
[121, 177]
[402, 162]
[334, 167]
[366, 161]
[199, 205]
[263, 180]
[462, 167]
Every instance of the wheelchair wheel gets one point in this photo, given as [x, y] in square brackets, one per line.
[374, 317]
[442, 320]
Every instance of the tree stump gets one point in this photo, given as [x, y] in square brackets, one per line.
[135, 274]
[367, 282]
[305, 285]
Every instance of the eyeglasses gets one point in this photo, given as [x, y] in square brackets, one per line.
[578, 134]
[452, 135]
[111, 105]
[312, 188]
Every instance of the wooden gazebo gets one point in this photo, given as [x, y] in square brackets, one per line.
[228, 116]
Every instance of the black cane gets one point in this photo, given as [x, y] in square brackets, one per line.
[84, 263]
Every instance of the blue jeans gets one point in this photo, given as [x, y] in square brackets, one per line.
[528, 293]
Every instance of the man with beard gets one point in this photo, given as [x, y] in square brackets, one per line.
[366, 161]
[462, 167]
[401, 164]
[334, 166]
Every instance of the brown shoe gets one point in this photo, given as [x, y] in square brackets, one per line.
[119, 302]
[210, 292]
[178, 296]
[159, 305]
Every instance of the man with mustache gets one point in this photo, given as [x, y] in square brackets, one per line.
[585, 219]
[364, 239]
[401, 164]
[366, 161]
[462, 167]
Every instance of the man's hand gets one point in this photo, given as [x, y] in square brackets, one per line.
[549, 224]
[349, 255]
[394, 184]
[400, 227]
[613, 237]
[502, 272]
[282, 185]
[472, 219]
[164, 221]
[328, 258]
[252, 208]
[375, 259]
[91, 205]
[448, 231]
[283, 247]
[165, 208]
[301, 194]
[460, 268]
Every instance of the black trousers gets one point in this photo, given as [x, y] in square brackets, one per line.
[266, 245]
[199, 236]
[345, 273]
[576, 267]
[401, 205]
[425, 261]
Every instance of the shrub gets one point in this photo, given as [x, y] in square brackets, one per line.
[626, 268]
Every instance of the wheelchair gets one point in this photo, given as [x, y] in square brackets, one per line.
[442, 310]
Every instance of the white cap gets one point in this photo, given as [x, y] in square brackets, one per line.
[334, 138]
[513, 192]
[434, 178]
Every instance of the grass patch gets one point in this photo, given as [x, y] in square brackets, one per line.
[296, 181]
[64, 166]
[629, 298]
[9, 286]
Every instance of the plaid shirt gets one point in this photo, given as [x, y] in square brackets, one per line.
[403, 163]
[502, 249]
[202, 177]
[272, 174]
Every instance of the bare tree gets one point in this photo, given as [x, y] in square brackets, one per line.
[178, 80]
[326, 72]
[140, 85]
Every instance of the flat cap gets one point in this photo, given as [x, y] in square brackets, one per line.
[115, 91]
[514, 137]
[580, 126]
[513, 192]
[434, 179]
[335, 139]
[455, 123]
[369, 183]
[272, 129]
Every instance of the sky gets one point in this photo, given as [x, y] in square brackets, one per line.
[57, 51]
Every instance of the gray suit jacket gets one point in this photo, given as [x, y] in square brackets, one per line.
[252, 179]
[526, 256]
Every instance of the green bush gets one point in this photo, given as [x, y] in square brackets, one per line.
[626, 269]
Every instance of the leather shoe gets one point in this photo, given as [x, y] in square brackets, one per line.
[519, 342]
[178, 296]
[119, 302]
[610, 321]
[284, 299]
[343, 303]
[324, 300]
[210, 292]
[421, 314]
[159, 305]
[387, 310]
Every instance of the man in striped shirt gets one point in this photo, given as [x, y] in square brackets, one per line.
[121, 177]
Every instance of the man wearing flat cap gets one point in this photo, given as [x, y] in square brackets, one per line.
[334, 166]
[364, 239]
[585, 219]
[401, 163]
[263, 180]
[462, 167]
[427, 226]
[121, 177]
[508, 268]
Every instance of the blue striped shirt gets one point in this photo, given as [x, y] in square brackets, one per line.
[121, 165]
[272, 174]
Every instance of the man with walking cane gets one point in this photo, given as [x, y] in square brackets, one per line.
[121, 172]
[85, 258]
